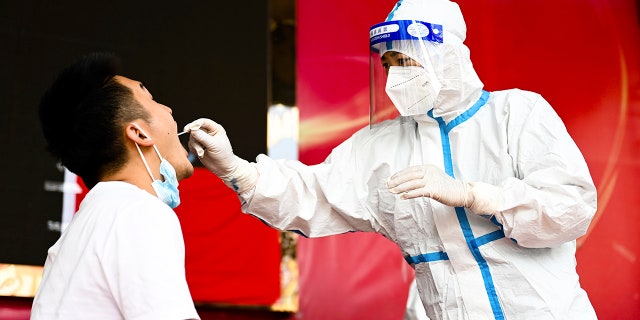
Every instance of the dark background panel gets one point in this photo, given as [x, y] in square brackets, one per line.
[202, 59]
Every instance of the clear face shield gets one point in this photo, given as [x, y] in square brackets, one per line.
[403, 78]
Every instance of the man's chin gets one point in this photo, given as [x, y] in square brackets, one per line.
[186, 173]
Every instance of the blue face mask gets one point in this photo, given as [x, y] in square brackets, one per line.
[166, 190]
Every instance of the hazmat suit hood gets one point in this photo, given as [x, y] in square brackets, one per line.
[460, 85]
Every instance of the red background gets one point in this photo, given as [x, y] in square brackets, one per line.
[231, 258]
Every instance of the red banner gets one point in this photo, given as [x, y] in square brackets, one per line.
[231, 257]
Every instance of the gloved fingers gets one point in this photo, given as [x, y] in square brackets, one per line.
[415, 193]
[193, 125]
[211, 127]
[202, 141]
[200, 136]
[207, 125]
[404, 175]
[409, 186]
[196, 148]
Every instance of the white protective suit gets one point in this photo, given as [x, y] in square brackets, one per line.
[516, 262]
[519, 264]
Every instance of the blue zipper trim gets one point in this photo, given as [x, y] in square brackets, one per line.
[492, 236]
[461, 118]
[427, 257]
[489, 286]
[441, 255]
[472, 243]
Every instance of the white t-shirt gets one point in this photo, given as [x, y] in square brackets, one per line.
[121, 257]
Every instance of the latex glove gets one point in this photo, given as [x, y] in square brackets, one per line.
[430, 181]
[210, 143]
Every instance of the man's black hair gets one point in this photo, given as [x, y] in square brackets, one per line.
[83, 114]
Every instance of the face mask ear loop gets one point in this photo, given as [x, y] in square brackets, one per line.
[157, 152]
[161, 159]
[145, 161]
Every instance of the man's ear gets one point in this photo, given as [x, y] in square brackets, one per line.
[136, 134]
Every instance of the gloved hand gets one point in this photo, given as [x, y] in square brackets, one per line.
[430, 181]
[210, 142]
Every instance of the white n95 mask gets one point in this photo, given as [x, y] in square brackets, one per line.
[412, 89]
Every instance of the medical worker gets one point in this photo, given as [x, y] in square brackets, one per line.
[484, 192]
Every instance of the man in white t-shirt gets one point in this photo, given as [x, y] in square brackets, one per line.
[122, 255]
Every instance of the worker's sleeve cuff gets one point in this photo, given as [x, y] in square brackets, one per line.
[244, 178]
[486, 198]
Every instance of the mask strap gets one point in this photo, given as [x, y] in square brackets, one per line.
[157, 152]
[162, 176]
[145, 161]
[142, 156]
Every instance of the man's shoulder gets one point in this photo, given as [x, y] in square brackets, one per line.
[116, 197]
[117, 192]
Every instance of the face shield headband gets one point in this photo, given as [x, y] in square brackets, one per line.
[412, 85]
